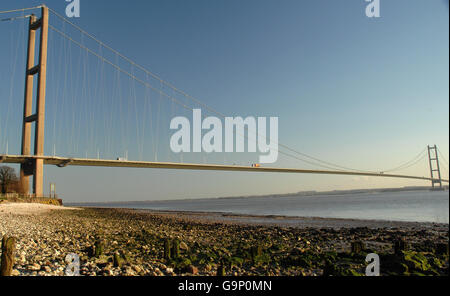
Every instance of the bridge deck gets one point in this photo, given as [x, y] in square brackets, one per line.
[64, 161]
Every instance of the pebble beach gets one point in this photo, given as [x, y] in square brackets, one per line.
[124, 242]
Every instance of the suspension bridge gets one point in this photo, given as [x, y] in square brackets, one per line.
[111, 67]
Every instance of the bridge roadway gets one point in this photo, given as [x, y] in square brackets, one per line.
[64, 161]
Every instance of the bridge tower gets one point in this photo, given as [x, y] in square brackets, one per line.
[434, 167]
[35, 167]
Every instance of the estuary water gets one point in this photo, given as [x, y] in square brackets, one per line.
[418, 206]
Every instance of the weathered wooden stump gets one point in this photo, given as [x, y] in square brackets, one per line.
[176, 248]
[167, 247]
[256, 251]
[99, 248]
[400, 245]
[221, 270]
[357, 247]
[441, 249]
[7, 259]
[118, 260]
[329, 269]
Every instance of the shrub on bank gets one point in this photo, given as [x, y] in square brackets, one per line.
[28, 199]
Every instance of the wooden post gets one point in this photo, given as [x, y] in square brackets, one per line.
[221, 270]
[400, 245]
[176, 248]
[98, 248]
[118, 260]
[357, 247]
[256, 252]
[7, 260]
[167, 246]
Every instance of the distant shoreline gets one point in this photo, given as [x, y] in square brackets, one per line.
[300, 193]
[282, 221]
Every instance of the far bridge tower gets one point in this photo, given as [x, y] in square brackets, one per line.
[434, 168]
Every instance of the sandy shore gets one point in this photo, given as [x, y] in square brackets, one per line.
[30, 208]
[132, 242]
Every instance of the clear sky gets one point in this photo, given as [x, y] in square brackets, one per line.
[367, 93]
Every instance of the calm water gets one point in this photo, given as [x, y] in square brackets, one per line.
[422, 206]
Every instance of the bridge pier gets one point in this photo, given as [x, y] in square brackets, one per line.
[35, 167]
[38, 182]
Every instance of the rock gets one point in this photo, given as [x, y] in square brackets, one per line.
[184, 246]
[102, 259]
[15, 272]
[129, 271]
[46, 263]
[34, 267]
[192, 269]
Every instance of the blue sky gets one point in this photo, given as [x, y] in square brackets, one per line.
[362, 92]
